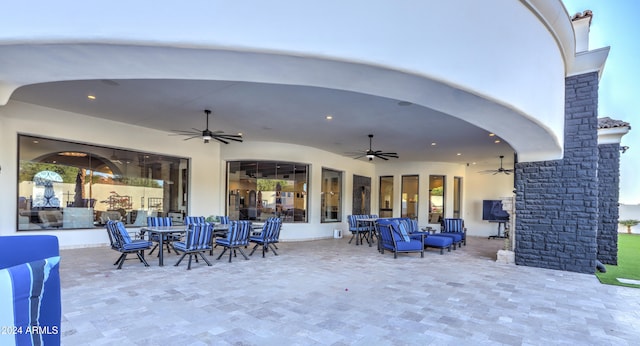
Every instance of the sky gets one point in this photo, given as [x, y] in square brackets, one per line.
[616, 24]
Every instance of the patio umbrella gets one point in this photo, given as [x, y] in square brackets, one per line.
[46, 179]
[77, 198]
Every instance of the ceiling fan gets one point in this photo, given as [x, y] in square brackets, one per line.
[207, 134]
[499, 170]
[371, 154]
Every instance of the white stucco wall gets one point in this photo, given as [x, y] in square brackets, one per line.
[481, 186]
[18, 117]
[207, 183]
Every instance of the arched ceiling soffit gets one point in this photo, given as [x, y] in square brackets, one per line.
[533, 141]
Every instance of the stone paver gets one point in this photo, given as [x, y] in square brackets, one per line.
[329, 292]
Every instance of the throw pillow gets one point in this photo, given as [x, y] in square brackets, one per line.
[21, 290]
[403, 231]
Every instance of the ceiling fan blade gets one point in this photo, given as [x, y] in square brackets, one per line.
[217, 138]
[236, 138]
[192, 137]
[184, 133]
[382, 157]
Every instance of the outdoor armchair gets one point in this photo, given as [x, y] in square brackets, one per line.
[393, 239]
[194, 219]
[455, 227]
[122, 242]
[197, 240]
[237, 238]
[268, 237]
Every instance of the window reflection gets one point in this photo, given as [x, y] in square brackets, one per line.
[386, 196]
[436, 198]
[64, 185]
[331, 201]
[410, 196]
[258, 190]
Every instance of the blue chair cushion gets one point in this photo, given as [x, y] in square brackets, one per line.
[137, 245]
[21, 290]
[222, 241]
[411, 245]
[437, 241]
[180, 245]
[456, 236]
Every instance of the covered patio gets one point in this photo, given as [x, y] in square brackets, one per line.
[327, 292]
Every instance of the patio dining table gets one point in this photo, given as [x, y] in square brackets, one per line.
[162, 232]
[369, 224]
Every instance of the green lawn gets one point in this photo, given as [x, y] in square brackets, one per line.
[628, 262]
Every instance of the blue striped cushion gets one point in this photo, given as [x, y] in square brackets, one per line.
[21, 290]
[180, 245]
[194, 219]
[403, 231]
[453, 225]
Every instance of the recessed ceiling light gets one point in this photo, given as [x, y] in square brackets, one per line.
[91, 97]
[329, 117]
[492, 134]
[433, 143]
[496, 141]
[240, 134]
[404, 103]
[459, 154]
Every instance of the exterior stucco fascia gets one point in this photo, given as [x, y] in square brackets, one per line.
[528, 78]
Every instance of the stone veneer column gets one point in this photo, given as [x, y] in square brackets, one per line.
[608, 196]
[557, 201]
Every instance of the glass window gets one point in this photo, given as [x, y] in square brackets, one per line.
[386, 196]
[436, 198]
[457, 197]
[410, 196]
[63, 185]
[331, 192]
[258, 190]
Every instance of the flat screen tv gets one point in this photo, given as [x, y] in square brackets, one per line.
[492, 210]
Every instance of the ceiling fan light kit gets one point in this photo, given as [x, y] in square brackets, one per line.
[372, 154]
[208, 135]
[502, 170]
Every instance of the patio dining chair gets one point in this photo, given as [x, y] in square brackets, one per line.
[197, 240]
[121, 241]
[268, 237]
[188, 220]
[358, 231]
[237, 238]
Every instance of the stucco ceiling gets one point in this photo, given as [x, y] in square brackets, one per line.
[278, 113]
